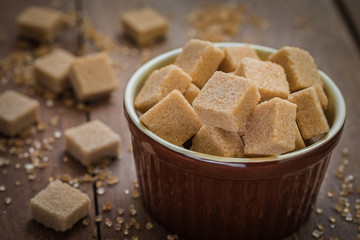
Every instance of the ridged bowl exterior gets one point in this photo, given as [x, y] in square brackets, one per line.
[212, 200]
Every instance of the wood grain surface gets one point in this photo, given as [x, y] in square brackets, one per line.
[317, 26]
[351, 12]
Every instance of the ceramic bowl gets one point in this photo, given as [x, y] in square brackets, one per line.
[200, 196]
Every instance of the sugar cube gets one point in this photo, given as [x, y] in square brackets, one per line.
[17, 112]
[191, 93]
[300, 68]
[322, 96]
[159, 84]
[52, 70]
[299, 141]
[226, 101]
[309, 114]
[233, 56]
[39, 23]
[59, 206]
[270, 128]
[269, 77]
[200, 59]
[92, 77]
[172, 119]
[144, 25]
[91, 142]
[218, 142]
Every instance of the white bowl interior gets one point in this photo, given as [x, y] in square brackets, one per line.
[335, 113]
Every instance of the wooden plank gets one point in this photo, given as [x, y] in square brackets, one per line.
[16, 222]
[352, 8]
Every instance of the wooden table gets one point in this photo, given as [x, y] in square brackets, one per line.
[328, 29]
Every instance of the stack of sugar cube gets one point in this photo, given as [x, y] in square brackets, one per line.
[91, 76]
[231, 103]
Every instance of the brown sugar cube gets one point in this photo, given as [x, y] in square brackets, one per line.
[144, 25]
[322, 96]
[226, 101]
[91, 142]
[269, 77]
[159, 84]
[92, 77]
[270, 129]
[39, 23]
[315, 139]
[59, 206]
[233, 56]
[300, 68]
[200, 59]
[309, 114]
[218, 142]
[299, 141]
[172, 119]
[17, 112]
[52, 70]
[191, 93]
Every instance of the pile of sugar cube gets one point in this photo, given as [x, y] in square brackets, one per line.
[60, 205]
[230, 103]
[91, 78]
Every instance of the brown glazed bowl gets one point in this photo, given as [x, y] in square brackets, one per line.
[200, 196]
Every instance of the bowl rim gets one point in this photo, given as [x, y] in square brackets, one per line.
[144, 70]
